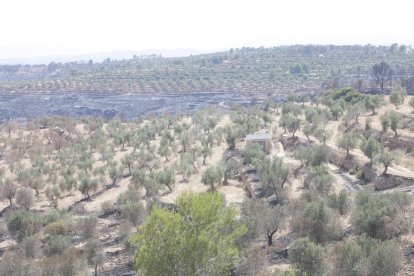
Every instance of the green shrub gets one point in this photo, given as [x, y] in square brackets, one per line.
[30, 246]
[55, 215]
[381, 216]
[340, 202]
[318, 222]
[106, 206]
[12, 263]
[307, 257]
[367, 256]
[59, 227]
[357, 172]
[252, 152]
[23, 224]
[70, 262]
[87, 227]
[134, 212]
[56, 245]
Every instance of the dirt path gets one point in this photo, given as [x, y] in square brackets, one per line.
[344, 179]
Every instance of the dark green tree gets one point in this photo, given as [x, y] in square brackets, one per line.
[382, 73]
[200, 238]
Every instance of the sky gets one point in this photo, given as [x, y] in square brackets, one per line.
[69, 27]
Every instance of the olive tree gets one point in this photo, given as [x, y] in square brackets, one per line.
[372, 102]
[95, 254]
[8, 189]
[354, 111]
[394, 120]
[386, 158]
[31, 179]
[231, 167]
[113, 172]
[25, 198]
[263, 219]
[166, 177]
[274, 174]
[348, 141]
[231, 134]
[398, 96]
[312, 156]
[385, 123]
[382, 216]
[320, 178]
[252, 153]
[318, 222]
[23, 224]
[340, 202]
[87, 185]
[367, 256]
[53, 194]
[370, 147]
[307, 257]
[213, 176]
[127, 161]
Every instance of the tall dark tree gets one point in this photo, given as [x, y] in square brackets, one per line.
[382, 73]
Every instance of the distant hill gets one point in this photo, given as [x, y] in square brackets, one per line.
[99, 57]
[257, 70]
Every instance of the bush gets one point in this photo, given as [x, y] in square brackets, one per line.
[56, 245]
[59, 227]
[381, 216]
[106, 206]
[340, 202]
[87, 227]
[79, 208]
[30, 246]
[23, 224]
[357, 172]
[307, 257]
[25, 197]
[385, 258]
[309, 196]
[124, 232]
[367, 256]
[253, 262]
[318, 222]
[94, 254]
[313, 156]
[133, 212]
[12, 264]
[70, 262]
[252, 152]
[55, 215]
[321, 179]
[349, 259]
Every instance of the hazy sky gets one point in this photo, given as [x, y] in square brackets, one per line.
[49, 27]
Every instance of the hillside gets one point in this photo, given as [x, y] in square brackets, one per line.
[259, 70]
[73, 192]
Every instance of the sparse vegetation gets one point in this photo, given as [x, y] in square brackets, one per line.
[188, 195]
